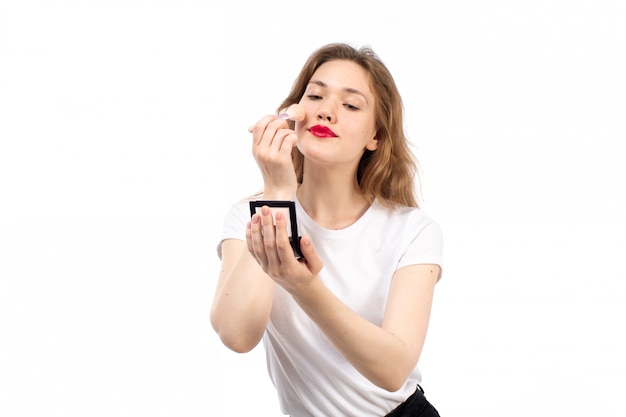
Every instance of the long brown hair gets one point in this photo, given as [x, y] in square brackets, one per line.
[389, 172]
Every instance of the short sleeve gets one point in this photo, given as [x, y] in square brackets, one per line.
[426, 247]
[235, 222]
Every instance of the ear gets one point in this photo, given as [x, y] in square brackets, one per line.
[372, 145]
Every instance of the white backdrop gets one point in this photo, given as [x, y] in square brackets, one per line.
[123, 141]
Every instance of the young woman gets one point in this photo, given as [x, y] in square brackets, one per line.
[344, 325]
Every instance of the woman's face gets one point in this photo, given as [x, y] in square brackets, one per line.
[340, 120]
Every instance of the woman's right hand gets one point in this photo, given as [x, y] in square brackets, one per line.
[272, 142]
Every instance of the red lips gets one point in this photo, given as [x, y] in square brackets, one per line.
[322, 131]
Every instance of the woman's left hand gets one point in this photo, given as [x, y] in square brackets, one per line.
[268, 242]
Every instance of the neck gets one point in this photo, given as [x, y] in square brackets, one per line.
[331, 201]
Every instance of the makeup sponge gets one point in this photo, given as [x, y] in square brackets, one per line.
[294, 112]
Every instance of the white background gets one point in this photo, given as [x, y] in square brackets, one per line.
[123, 128]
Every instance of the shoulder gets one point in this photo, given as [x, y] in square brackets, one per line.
[239, 209]
[235, 220]
[409, 219]
[414, 233]
[421, 238]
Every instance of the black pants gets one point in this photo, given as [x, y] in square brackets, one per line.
[415, 406]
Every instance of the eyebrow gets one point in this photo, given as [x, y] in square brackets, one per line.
[348, 90]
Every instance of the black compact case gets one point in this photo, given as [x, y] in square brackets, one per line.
[294, 238]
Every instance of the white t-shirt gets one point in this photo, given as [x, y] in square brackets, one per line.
[312, 378]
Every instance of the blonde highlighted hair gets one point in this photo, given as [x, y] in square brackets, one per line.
[390, 173]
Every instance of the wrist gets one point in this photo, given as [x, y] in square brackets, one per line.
[308, 293]
[279, 194]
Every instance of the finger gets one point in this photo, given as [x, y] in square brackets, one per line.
[288, 143]
[281, 141]
[266, 127]
[269, 237]
[259, 129]
[283, 246]
[280, 129]
[265, 120]
[312, 259]
[249, 237]
[256, 240]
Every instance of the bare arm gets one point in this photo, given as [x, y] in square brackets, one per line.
[365, 345]
[243, 298]
[244, 294]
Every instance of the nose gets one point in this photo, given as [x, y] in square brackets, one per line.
[325, 114]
